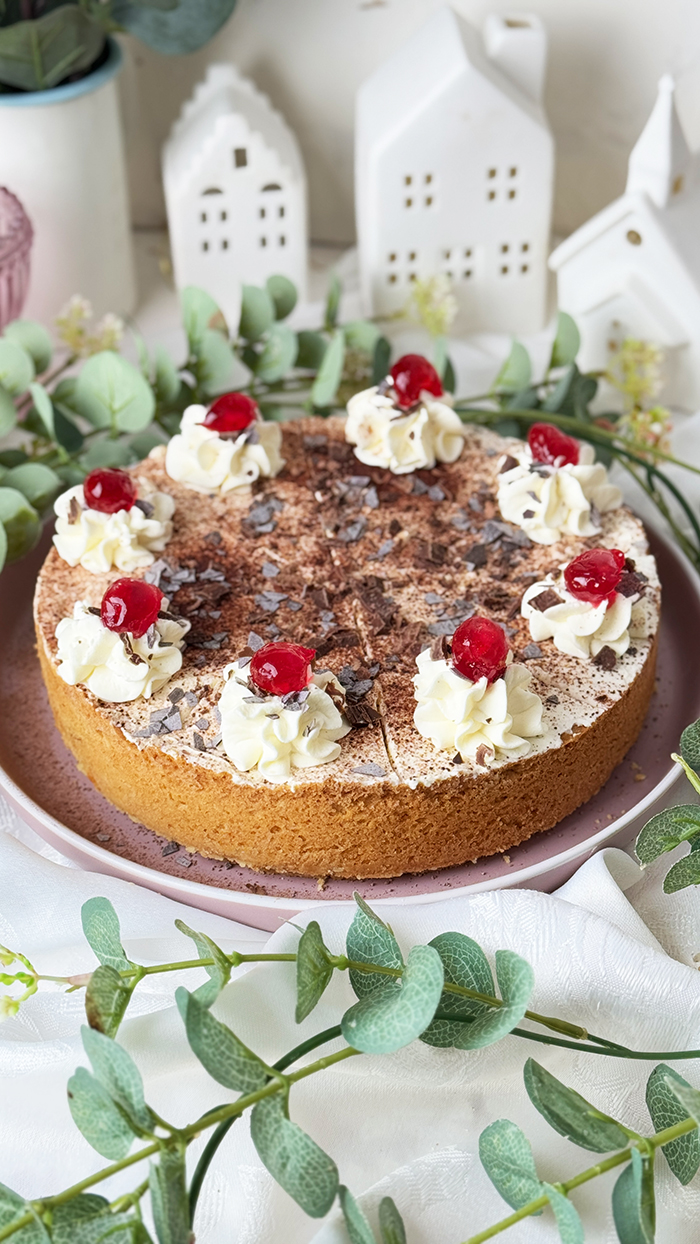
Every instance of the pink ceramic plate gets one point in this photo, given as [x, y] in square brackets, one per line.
[39, 777]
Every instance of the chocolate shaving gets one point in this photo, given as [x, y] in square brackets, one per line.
[145, 507]
[370, 769]
[134, 657]
[532, 652]
[457, 759]
[353, 533]
[477, 556]
[319, 597]
[545, 600]
[360, 715]
[508, 463]
[431, 552]
[93, 609]
[441, 648]
[605, 659]
[632, 583]
[483, 754]
[74, 510]
[170, 848]
[381, 609]
[394, 527]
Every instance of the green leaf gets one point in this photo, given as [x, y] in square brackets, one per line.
[199, 314]
[449, 379]
[118, 1073]
[142, 444]
[21, 523]
[293, 1159]
[381, 359]
[39, 54]
[667, 830]
[361, 335]
[166, 381]
[330, 372]
[278, 354]
[97, 1117]
[633, 1202]
[169, 1203]
[522, 399]
[440, 354]
[106, 453]
[683, 1154]
[386, 1021]
[684, 872]
[16, 366]
[215, 360]
[516, 371]
[283, 293]
[13, 1207]
[3, 546]
[391, 1223]
[43, 407]
[516, 981]
[218, 1049]
[687, 1096]
[219, 972]
[465, 964]
[12, 457]
[8, 413]
[87, 1219]
[572, 395]
[312, 347]
[257, 313]
[690, 746]
[570, 1114]
[173, 29]
[566, 1214]
[506, 1156]
[335, 289]
[112, 393]
[356, 1224]
[106, 999]
[369, 940]
[38, 483]
[33, 338]
[314, 972]
[567, 342]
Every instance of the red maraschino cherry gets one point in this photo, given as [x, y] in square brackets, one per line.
[551, 446]
[108, 490]
[594, 575]
[411, 375]
[278, 668]
[479, 649]
[131, 605]
[231, 413]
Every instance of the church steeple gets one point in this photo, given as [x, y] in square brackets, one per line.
[661, 157]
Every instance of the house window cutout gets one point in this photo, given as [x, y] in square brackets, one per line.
[408, 202]
[224, 244]
[391, 279]
[492, 195]
[447, 254]
[633, 237]
[491, 173]
[428, 178]
[280, 210]
[203, 217]
[393, 257]
[212, 190]
[240, 157]
[412, 276]
[412, 256]
[505, 247]
[511, 194]
[467, 252]
[512, 172]
[429, 200]
[467, 274]
[271, 185]
[282, 240]
[524, 246]
[677, 184]
[504, 269]
[263, 241]
[408, 180]
[205, 246]
[524, 268]
[448, 274]
[223, 215]
[262, 213]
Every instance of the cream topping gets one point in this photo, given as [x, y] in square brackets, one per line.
[580, 628]
[126, 540]
[98, 658]
[277, 735]
[201, 459]
[386, 437]
[551, 502]
[459, 715]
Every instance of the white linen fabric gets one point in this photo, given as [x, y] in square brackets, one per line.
[609, 950]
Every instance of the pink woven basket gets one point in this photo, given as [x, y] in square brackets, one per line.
[16, 236]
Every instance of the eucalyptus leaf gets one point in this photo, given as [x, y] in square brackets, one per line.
[39, 54]
[684, 872]
[16, 366]
[567, 342]
[112, 393]
[33, 338]
[278, 354]
[522, 399]
[381, 359]
[665, 1108]
[8, 412]
[169, 1203]
[335, 289]
[383, 1022]
[293, 1159]
[219, 972]
[690, 746]
[43, 407]
[87, 1219]
[199, 314]
[11, 1205]
[516, 981]
[391, 1223]
[218, 1049]
[38, 483]
[633, 1202]
[106, 453]
[361, 335]
[283, 293]
[667, 830]
[118, 1074]
[166, 380]
[21, 523]
[173, 30]
[569, 1113]
[465, 964]
[215, 362]
[311, 349]
[314, 971]
[3, 546]
[12, 457]
[440, 354]
[106, 999]
[356, 1224]
[97, 1117]
[257, 313]
[566, 1214]
[330, 372]
[516, 371]
[506, 1156]
[449, 379]
[142, 444]
[369, 940]
[687, 1096]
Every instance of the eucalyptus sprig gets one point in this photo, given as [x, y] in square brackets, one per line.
[671, 827]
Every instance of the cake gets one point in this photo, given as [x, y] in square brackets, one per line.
[371, 564]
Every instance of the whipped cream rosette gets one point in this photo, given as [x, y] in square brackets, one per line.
[213, 453]
[125, 540]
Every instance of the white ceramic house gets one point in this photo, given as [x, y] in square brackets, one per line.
[454, 167]
[235, 191]
[634, 269]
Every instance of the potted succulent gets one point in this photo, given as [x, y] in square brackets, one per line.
[61, 146]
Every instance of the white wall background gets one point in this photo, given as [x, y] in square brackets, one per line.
[310, 55]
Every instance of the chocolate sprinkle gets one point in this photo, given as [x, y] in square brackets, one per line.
[369, 770]
[170, 848]
[605, 659]
[532, 652]
[545, 600]
[483, 754]
[476, 556]
[631, 583]
[508, 463]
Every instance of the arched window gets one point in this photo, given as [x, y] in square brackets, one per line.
[212, 190]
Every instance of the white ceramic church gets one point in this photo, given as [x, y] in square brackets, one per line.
[634, 269]
[235, 192]
[454, 167]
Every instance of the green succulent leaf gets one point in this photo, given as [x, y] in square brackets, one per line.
[218, 1049]
[8, 412]
[257, 313]
[106, 999]
[665, 1108]
[356, 1224]
[33, 338]
[106, 453]
[690, 746]
[516, 371]
[38, 483]
[20, 521]
[330, 372]
[173, 29]
[293, 1159]
[96, 1116]
[166, 380]
[283, 293]
[369, 940]
[314, 971]
[16, 366]
[219, 972]
[567, 342]
[361, 335]
[570, 1114]
[667, 830]
[215, 362]
[506, 1156]
[566, 1214]
[335, 289]
[633, 1202]
[3, 546]
[465, 964]
[118, 1074]
[516, 981]
[386, 1021]
[391, 1223]
[278, 354]
[39, 54]
[312, 347]
[169, 1203]
[112, 393]
[381, 358]
[684, 872]
[199, 314]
